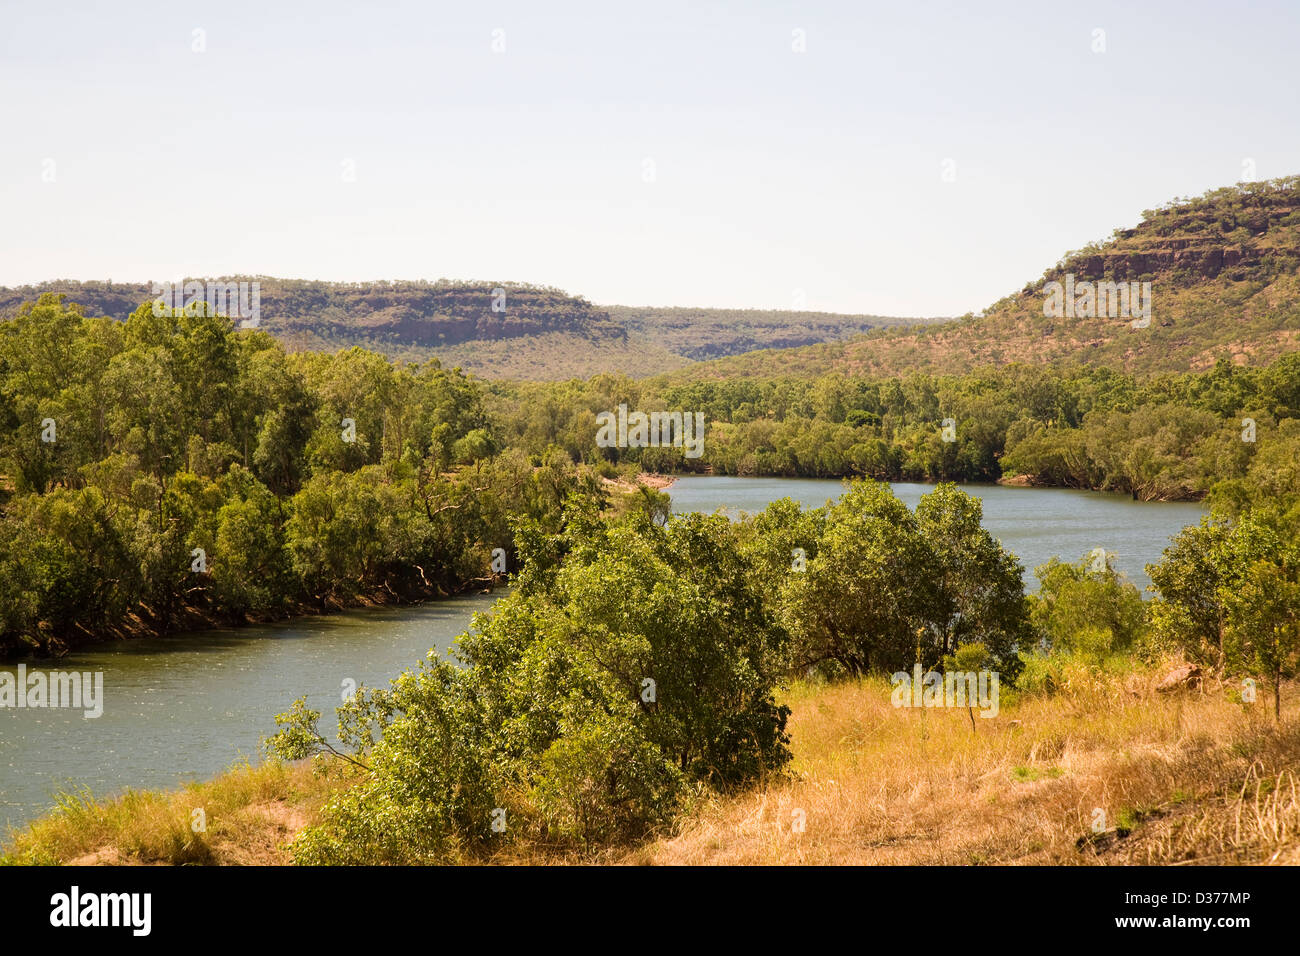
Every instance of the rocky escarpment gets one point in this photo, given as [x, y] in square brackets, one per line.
[1202, 259]
[1232, 233]
[1224, 274]
[414, 314]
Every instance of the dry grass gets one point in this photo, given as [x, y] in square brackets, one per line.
[1181, 778]
[249, 814]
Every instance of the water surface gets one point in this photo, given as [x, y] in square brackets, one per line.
[186, 707]
[1035, 524]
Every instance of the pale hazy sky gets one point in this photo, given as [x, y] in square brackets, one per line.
[773, 170]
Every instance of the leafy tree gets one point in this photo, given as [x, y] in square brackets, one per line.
[1088, 611]
[1201, 567]
[590, 701]
[978, 589]
[1264, 623]
[858, 604]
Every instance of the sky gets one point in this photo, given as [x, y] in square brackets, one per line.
[914, 159]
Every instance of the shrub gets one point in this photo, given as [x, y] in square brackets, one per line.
[592, 700]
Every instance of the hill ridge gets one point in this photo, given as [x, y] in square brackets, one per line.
[1223, 268]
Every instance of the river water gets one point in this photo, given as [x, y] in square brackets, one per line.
[1034, 524]
[187, 707]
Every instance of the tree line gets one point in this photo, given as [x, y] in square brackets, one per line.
[1221, 432]
[170, 471]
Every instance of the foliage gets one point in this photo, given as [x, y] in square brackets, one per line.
[1230, 595]
[591, 701]
[1161, 438]
[879, 588]
[173, 470]
[1087, 610]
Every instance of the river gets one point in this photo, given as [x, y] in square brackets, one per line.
[187, 707]
[1035, 524]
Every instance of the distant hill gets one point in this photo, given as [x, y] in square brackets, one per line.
[1222, 268]
[702, 334]
[1224, 282]
[543, 333]
[387, 316]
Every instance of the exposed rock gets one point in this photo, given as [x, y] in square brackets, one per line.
[1184, 675]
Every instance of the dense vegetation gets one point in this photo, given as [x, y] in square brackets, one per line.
[171, 470]
[636, 662]
[634, 670]
[1158, 438]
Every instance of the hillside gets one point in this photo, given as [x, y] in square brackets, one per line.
[702, 334]
[541, 334]
[401, 319]
[1223, 281]
[1223, 274]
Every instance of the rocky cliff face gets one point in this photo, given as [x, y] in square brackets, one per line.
[1205, 260]
[401, 313]
[1228, 233]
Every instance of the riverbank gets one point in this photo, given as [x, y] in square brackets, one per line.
[244, 817]
[1033, 481]
[656, 480]
[1107, 770]
[194, 616]
[645, 479]
[193, 619]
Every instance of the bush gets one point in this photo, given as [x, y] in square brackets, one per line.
[883, 585]
[595, 697]
[1087, 608]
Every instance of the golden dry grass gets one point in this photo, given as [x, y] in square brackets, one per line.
[1183, 777]
[249, 813]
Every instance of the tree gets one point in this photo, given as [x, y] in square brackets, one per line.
[864, 592]
[979, 594]
[591, 698]
[1264, 623]
[1193, 576]
[1084, 610]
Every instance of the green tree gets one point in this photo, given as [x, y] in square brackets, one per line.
[864, 592]
[1086, 610]
[978, 589]
[1191, 579]
[591, 699]
[1264, 623]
